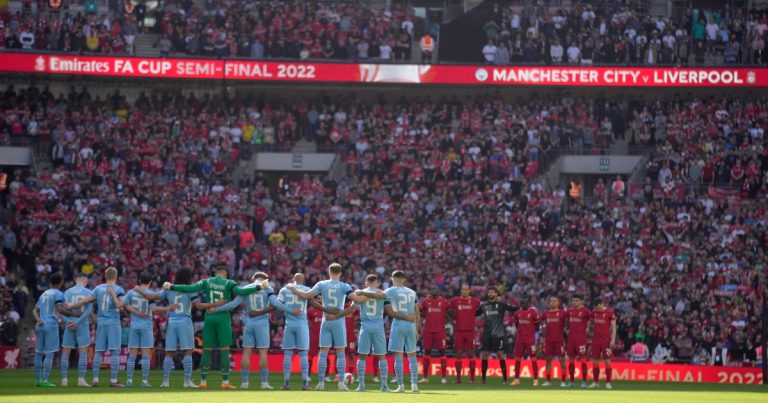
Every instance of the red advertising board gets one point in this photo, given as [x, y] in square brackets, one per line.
[10, 357]
[565, 76]
[624, 371]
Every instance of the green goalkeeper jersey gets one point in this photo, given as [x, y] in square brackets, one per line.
[216, 289]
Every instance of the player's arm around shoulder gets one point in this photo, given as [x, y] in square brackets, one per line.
[213, 308]
[149, 295]
[187, 288]
[88, 299]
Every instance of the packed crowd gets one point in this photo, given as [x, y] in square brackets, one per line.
[445, 190]
[292, 30]
[277, 29]
[87, 31]
[587, 32]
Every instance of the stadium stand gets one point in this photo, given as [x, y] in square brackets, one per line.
[519, 32]
[445, 189]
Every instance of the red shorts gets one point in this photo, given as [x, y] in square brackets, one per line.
[314, 344]
[554, 348]
[576, 348]
[464, 340]
[351, 345]
[601, 350]
[525, 348]
[433, 341]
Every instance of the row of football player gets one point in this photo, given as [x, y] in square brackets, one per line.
[398, 302]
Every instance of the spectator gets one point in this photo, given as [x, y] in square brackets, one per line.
[489, 52]
[27, 39]
[639, 351]
[403, 47]
[573, 54]
[684, 347]
[699, 52]
[661, 355]
[719, 355]
[712, 30]
[556, 52]
[491, 29]
[427, 45]
[731, 54]
[385, 51]
[165, 46]
[502, 55]
[362, 50]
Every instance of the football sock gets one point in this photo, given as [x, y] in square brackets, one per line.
[114, 365]
[383, 369]
[322, 364]
[205, 363]
[503, 364]
[82, 365]
[129, 367]
[96, 364]
[38, 366]
[225, 365]
[167, 367]
[145, 368]
[287, 364]
[413, 367]
[64, 364]
[187, 363]
[304, 362]
[341, 365]
[361, 372]
[47, 366]
[399, 370]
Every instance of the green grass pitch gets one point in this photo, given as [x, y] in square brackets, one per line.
[18, 386]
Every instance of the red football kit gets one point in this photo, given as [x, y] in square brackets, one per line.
[464, 311]
[349, 323]
[578, 320]
[315, 318]
[525, 340]
[554, 340]
[601, 333]
[435, 312]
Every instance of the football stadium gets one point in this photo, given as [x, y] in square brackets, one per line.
[393, 200]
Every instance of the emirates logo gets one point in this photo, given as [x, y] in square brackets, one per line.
[40, 63]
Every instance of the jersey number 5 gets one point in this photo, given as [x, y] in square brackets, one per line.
[177, 300]
[332, 300]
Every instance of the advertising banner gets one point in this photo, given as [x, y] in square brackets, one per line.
[622, 371]
[323, 72]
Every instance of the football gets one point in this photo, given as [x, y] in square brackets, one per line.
[349, 378]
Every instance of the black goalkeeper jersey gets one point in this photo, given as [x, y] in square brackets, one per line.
[493, 317]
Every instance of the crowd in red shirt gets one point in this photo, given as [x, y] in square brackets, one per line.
[444, 189]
